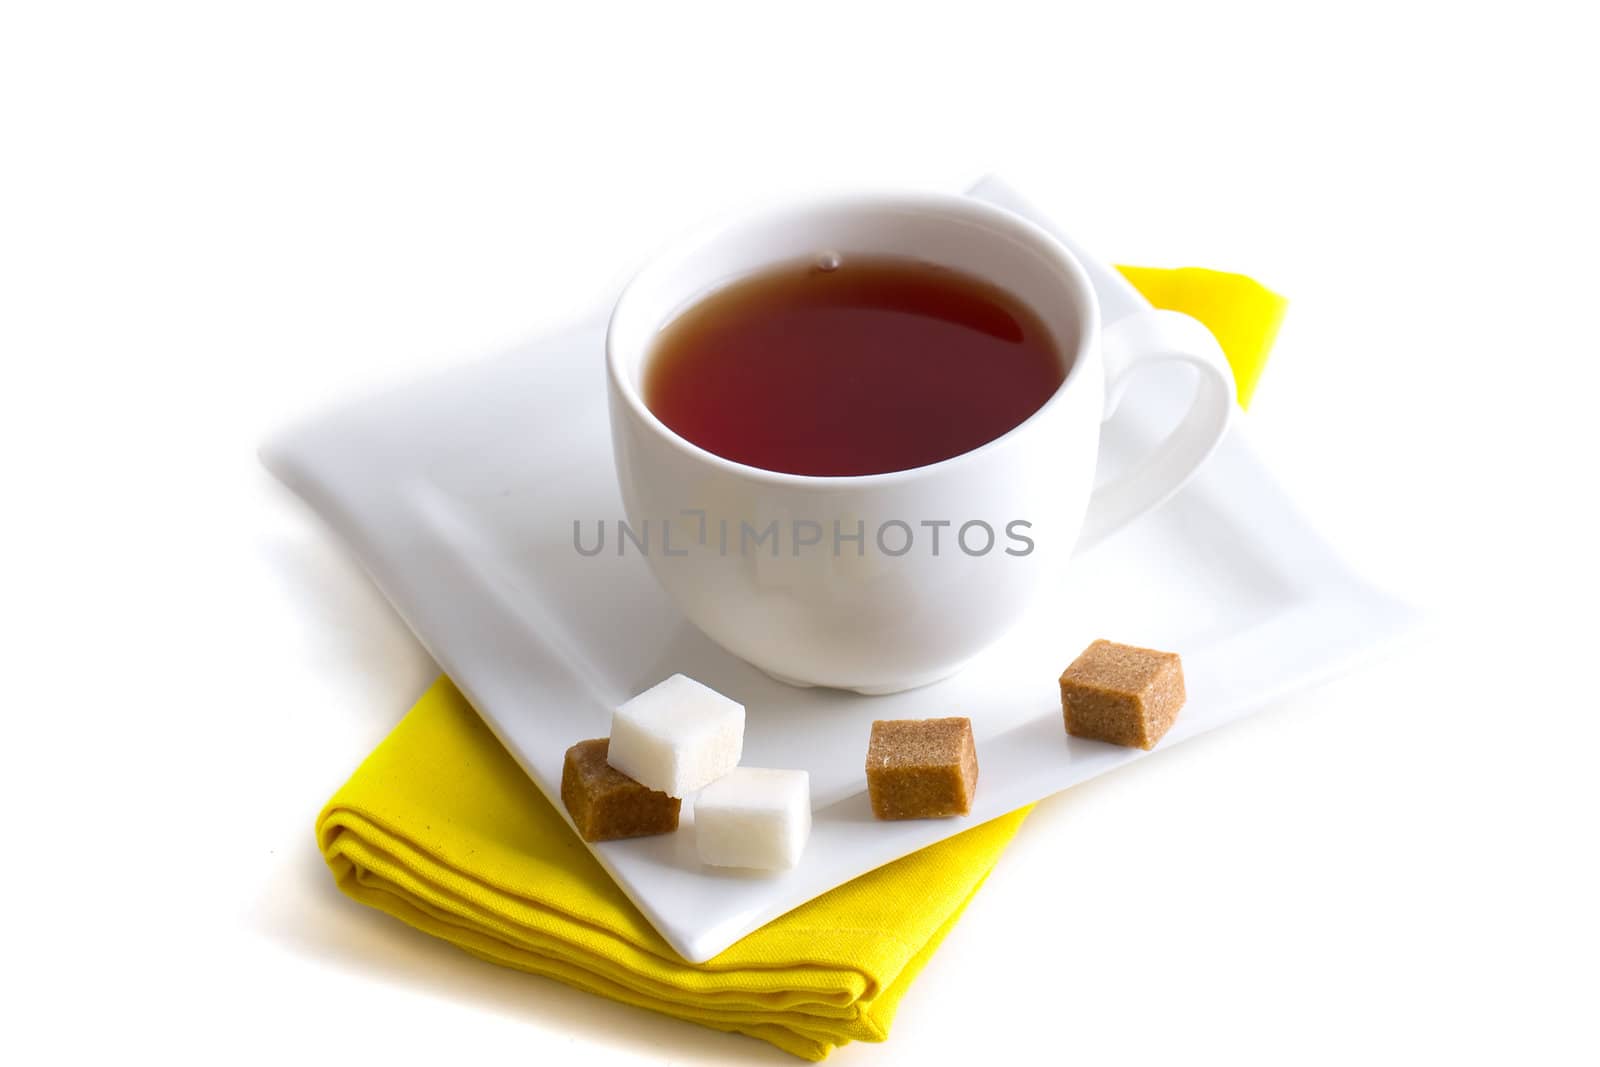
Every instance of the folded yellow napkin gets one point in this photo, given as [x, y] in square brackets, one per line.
[440, 828]
[1241, 313]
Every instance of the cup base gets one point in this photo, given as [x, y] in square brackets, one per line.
[868, 690]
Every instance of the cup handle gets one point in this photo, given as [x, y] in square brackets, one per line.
[1128, 345]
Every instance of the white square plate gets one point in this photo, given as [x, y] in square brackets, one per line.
[459, 495]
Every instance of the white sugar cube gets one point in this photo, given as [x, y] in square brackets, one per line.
[677, 736]
[753, 817]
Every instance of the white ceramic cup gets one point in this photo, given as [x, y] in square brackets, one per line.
[769, 564]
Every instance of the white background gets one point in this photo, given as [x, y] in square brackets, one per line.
[214, 217]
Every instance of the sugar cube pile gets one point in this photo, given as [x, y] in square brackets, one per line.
[681, 736]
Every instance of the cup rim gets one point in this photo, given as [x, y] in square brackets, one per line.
[1038, 238]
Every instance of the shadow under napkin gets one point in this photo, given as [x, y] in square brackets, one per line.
[441, 828]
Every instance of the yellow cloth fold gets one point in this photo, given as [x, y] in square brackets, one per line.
[440, 828]
[1240, 312]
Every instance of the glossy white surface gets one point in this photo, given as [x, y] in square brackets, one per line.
[889, 609]
[468, 528]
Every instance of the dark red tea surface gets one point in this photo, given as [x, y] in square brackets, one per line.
[853, 366]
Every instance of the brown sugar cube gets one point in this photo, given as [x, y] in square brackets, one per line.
[921, 768]
[607, 804]
[1122, 694]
